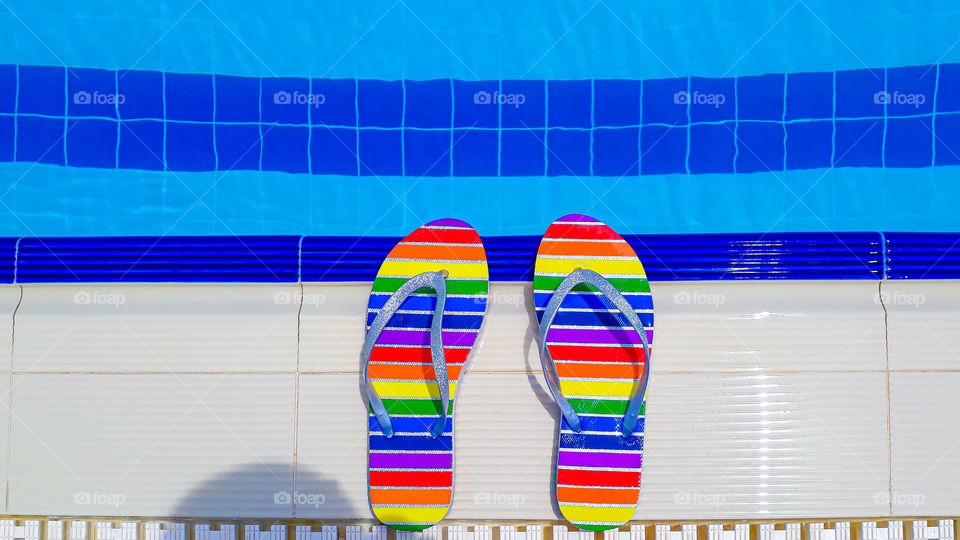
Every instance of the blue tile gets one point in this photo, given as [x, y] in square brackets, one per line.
[141, 145]
[333, 151]
[860, 94]
[8, 88]
[92, 142]
[380, 152]
[947, 150]
[664, 150]
[616, 152]
[760, 97]
[142, 94]
[429, 104]
[948, 92]
[285, 148]
[380, 103]
[809, 95]
[189, 96]
[338, 105]
[237, 99]
[711, 100]
[909, 142]
[665, 101]
[190, 147]
[40, 139]
[475, 152]
[859, 143]
[617, 102]
[92, 92]
[759, 147]
[285, 100]
[910, 90]
[6, 138]
[809, 144]
[569, 104]
[473, 104]
[522, 104]
[569, 152]
[522, 153]
[712, 148]
[42, 90]
[426, 153]
[238, 147]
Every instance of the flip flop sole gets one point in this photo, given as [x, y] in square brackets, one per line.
[411, 473]
[600, 361]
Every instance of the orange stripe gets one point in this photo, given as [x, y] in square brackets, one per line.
[410, 496]
[600, 371]
[586, 249]
[456, 253]
[413, 371]
[597, 495]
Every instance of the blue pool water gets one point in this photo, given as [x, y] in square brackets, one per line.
[488, 41]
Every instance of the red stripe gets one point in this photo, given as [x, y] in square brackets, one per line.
[597, 478]
[457, 236]
[411, 478]
[584, 232]
[598, 354]
[415, 355]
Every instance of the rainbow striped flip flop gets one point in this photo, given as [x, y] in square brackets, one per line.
[596, 327]
[423, 319]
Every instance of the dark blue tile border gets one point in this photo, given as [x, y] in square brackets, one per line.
[875, 117]
[287, 259]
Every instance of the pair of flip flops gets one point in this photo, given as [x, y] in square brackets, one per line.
[424, 319]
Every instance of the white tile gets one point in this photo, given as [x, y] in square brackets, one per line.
[784, 445]
[718, 446]
[152, 445]
[926, 443]
[9, 299]
[157, 328]
[923, 320]
[332, 447]
[761, 326]
[751, 326]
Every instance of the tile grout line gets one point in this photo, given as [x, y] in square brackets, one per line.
[9, 449]
[886, 349]
[296, 406]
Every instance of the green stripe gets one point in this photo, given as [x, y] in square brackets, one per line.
[597, 406]
[630, 285]
[414, 406]
[454, 286]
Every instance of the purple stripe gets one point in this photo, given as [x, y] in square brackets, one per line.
[599, 459]
[411, 461]
[448, 222]
[610, 337]
[422, 337]
[579, 217]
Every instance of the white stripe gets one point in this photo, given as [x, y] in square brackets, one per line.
[565, 343]
[594, 327]
[447, 227]
[429, 312]
[423, 346]
[428, 295]
[608, 276]
[449, 278]
[605, 240]
[591, 293]
[589, 257]
[451, 244]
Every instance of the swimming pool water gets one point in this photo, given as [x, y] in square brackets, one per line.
[423, 40]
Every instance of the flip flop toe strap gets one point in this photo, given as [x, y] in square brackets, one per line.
[431, 280]
[589, 277]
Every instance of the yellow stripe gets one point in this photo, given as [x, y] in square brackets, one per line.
[388, 514]
[411, 268]
[546, 265]
[602, 514]
[598, 388]
[387, 389]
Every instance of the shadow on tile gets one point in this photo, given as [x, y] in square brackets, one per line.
[258, 490]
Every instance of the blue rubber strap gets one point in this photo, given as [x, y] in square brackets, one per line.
[612, 294]
[431, 280]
